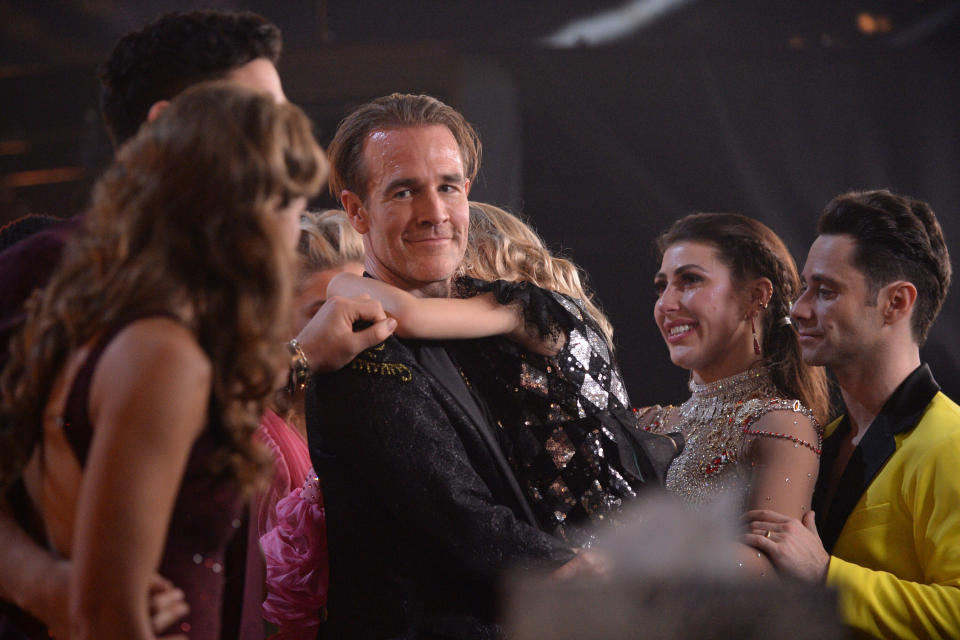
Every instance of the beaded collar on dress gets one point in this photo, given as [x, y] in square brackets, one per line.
[707, 401]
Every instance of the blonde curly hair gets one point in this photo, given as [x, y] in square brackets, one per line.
[501, 246]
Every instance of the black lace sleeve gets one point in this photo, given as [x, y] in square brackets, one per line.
[542, 310]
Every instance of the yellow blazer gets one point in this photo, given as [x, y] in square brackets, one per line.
[896, 561]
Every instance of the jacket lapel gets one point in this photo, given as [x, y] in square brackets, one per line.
[867, 459]
[436, 360]
[900, 413]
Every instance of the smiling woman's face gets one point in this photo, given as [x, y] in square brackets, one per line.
[312, 293]
[702, 313]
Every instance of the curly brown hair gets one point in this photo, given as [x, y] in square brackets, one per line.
[184, 218]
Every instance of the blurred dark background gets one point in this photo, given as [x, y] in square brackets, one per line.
[602, 121]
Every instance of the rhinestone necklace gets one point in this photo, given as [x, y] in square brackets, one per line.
[721, 398]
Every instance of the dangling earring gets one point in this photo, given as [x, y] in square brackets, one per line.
[756, 343]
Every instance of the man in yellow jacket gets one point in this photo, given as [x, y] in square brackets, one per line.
[887, 500]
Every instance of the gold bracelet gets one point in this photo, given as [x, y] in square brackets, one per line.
[299, 366]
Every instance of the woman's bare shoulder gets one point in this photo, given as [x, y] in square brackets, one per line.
[151, 363]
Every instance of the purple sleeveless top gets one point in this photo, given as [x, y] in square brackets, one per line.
[206, 543]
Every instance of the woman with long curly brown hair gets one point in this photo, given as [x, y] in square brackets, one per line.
[135, 387]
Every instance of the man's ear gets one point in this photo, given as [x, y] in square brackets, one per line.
[897, 300]
[156, 109]
[466, 187]
[356, 214]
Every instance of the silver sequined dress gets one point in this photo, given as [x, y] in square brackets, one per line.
[561, 418]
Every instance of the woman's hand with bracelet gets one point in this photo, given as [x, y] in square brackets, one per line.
[328, 342]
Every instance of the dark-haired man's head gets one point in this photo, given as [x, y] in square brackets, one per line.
[154, 64]
[896, 238]
[879, 269]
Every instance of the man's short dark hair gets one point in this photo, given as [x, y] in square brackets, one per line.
[395, 111]
[897, 238]
[175, 52]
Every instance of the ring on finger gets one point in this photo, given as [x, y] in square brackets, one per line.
[767, 534]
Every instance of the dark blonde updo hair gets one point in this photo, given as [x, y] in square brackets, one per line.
[750, 249]
[501, 246]
[327, 241]
[185, 219]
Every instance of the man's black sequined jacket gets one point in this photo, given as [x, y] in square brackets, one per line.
[423, 512]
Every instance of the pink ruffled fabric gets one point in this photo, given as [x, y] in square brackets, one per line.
[291, 464]
[295, 551]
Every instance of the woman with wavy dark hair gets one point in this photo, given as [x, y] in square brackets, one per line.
[134, 389]
[752, 424]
